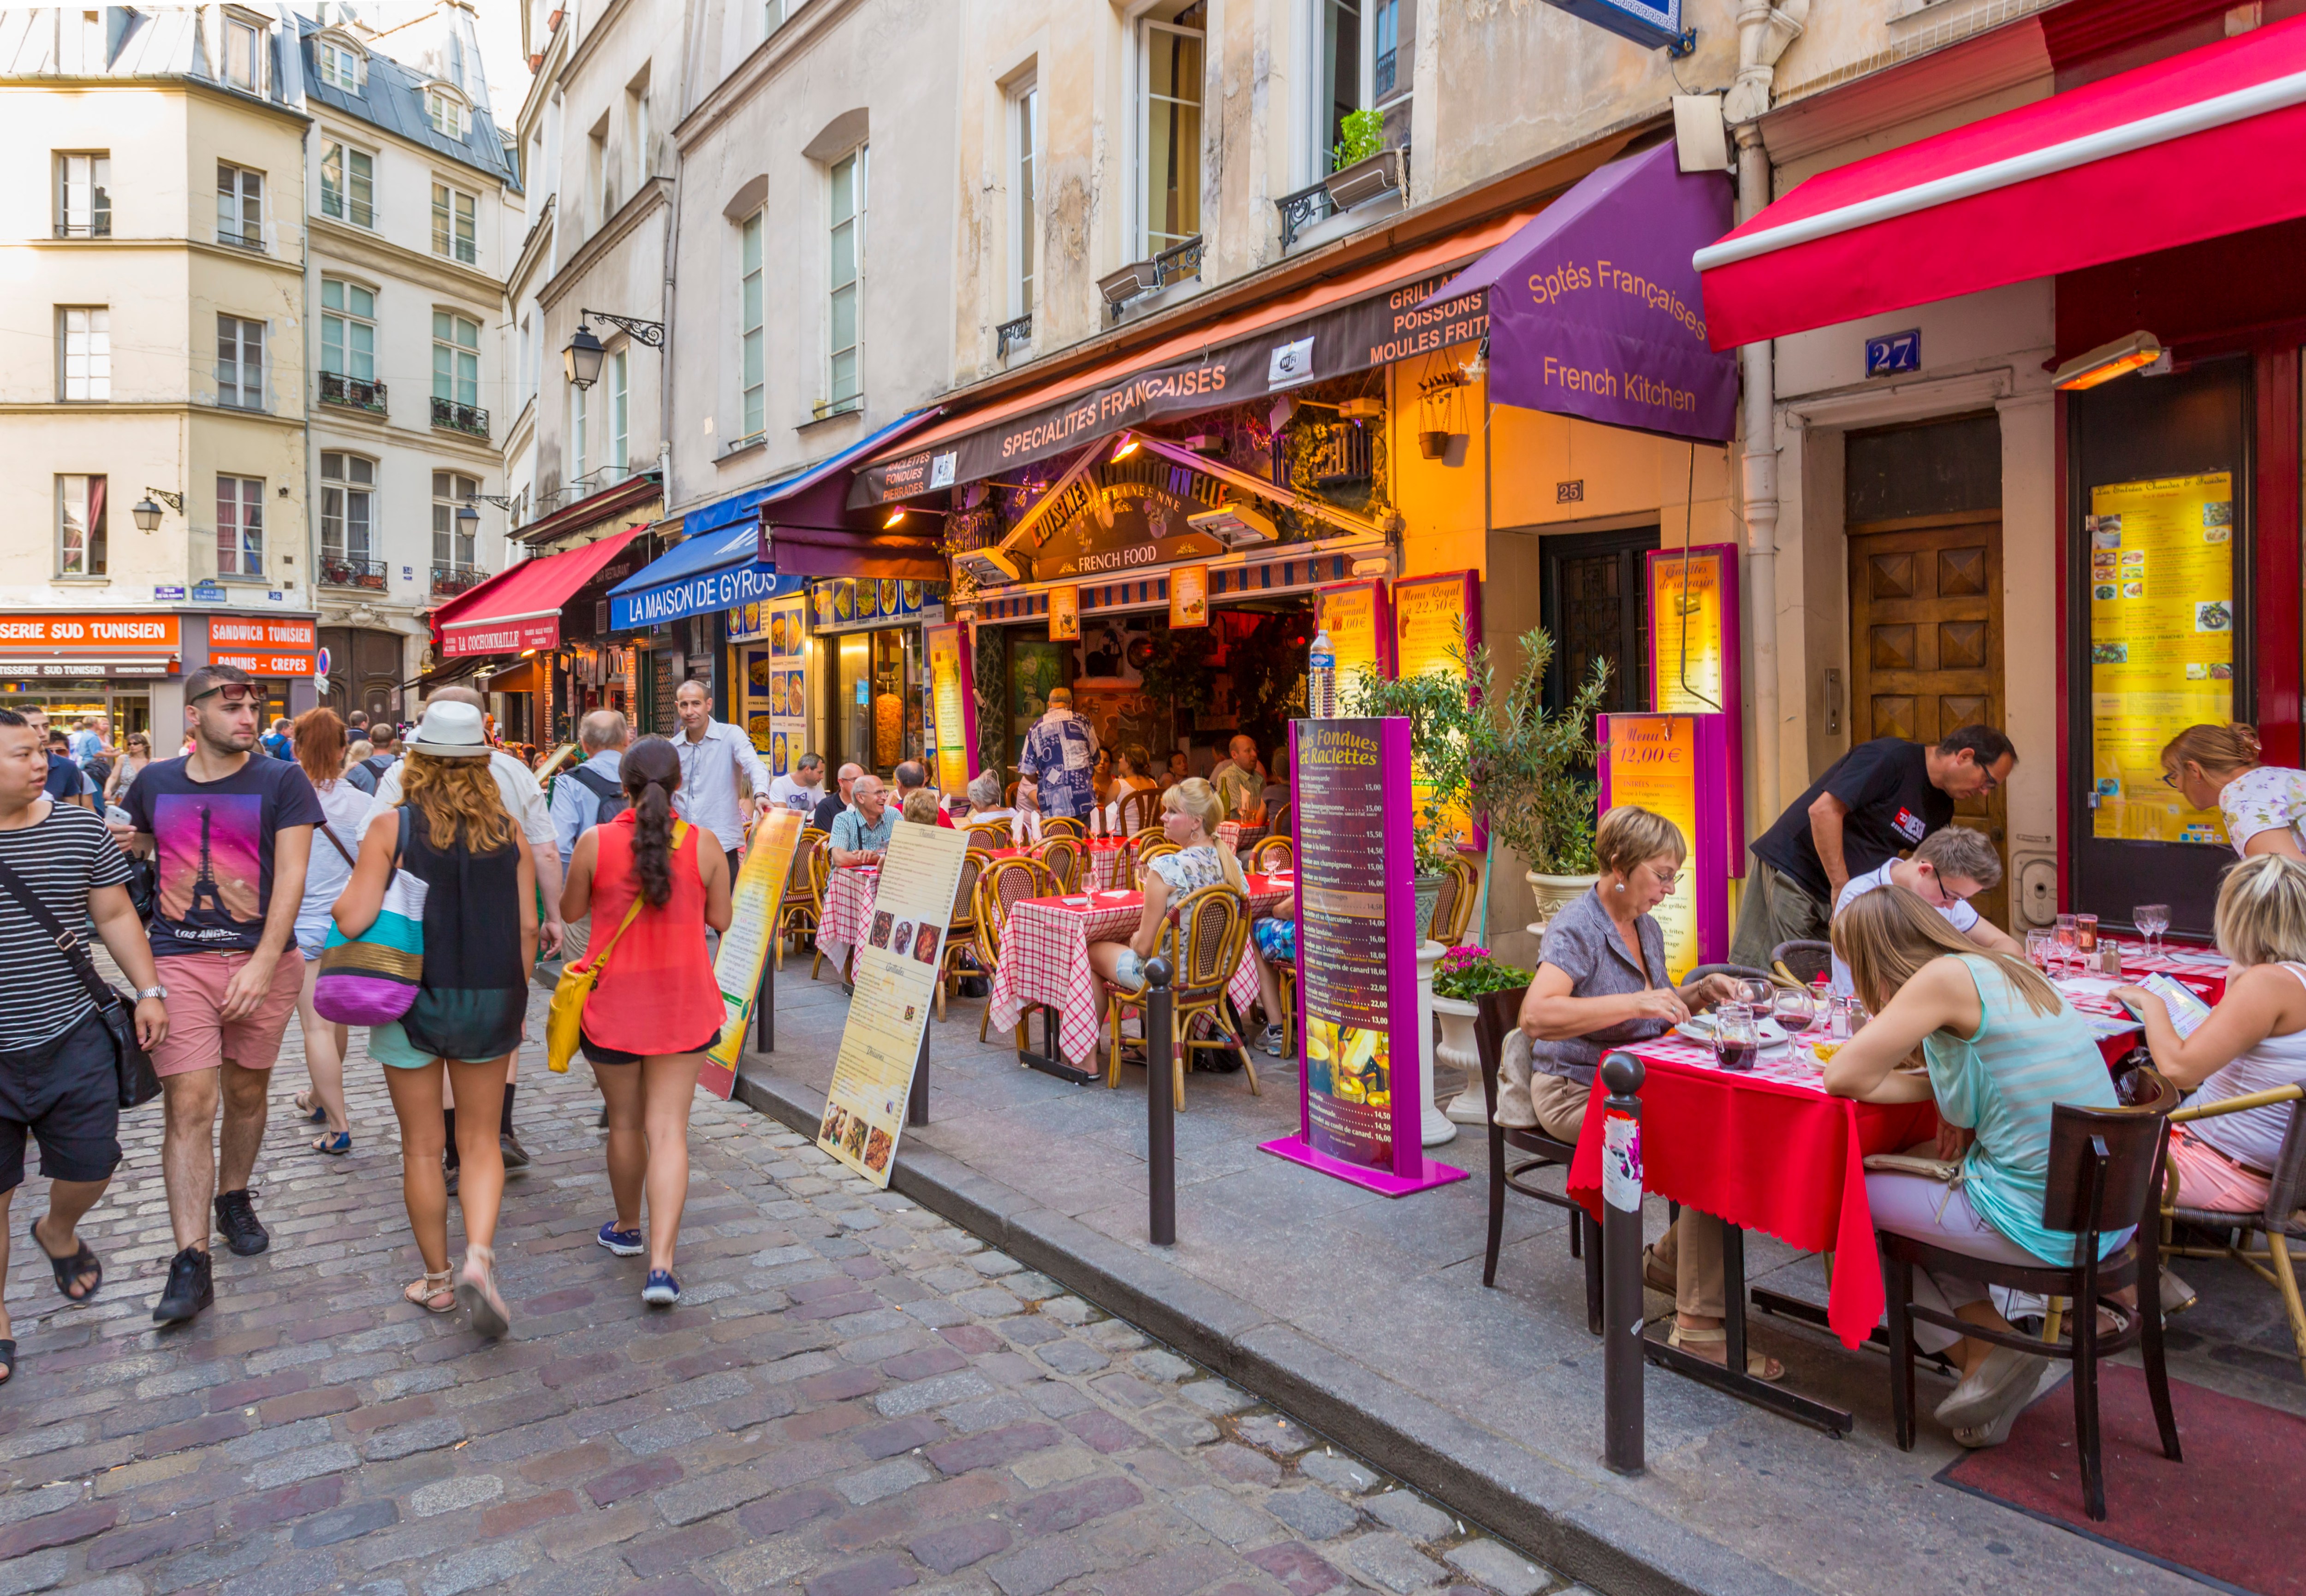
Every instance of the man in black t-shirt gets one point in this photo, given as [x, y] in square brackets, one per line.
[1873, 805]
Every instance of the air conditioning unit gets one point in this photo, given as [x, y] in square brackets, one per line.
[1235, 525]
[989, 567]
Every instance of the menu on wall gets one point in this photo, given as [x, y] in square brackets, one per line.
[1695, 654]
[1354, 617]
[895, 974]
[952, 708]
[1437, 622]
[1670, 765]
[756, 899]
[776, 679]
[1065, 614]
[2161, 659]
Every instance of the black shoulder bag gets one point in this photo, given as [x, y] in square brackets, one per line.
[139, 1083]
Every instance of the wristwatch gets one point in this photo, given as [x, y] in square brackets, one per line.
[144, 992]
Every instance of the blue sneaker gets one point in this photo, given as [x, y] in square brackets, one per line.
[663, 1291]
[624, 1243]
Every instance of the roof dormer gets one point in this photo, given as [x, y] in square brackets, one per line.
[341, 60]
[448, 109]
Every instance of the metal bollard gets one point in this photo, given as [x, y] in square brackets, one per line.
[1160, 1103]
[916, 1105]
[1622, 1351]
[765, 1002]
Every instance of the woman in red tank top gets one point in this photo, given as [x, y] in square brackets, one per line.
[656, 988]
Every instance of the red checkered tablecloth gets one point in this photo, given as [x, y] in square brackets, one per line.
[1101, 873]
[848, 906]
[1044, 959]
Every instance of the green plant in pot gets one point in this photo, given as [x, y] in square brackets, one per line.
[1443, 725]
[1522, 766]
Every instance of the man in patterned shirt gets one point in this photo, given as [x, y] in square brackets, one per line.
[1060, 758]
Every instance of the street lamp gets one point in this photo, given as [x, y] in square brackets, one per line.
[582, 359]
[468, 519]
[148, 514]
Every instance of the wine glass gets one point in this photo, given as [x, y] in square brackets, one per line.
[2152, 919]
[1755, 995]
[2068, 935]
[2039, 946]
[1795, 1010]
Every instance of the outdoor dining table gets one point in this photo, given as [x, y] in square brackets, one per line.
[847, 913]
[1103, 864]
[1044, 965]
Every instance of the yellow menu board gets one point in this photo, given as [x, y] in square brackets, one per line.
[1685, 614]
[1356, 635]
[2161, 642]
[896, 976]
[1652, 761]
[1431, 620]
[949, 705]
[756, 898]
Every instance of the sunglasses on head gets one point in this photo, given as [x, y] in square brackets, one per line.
[234, 692]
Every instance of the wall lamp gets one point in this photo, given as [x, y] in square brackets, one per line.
[582, 359]
[148, 514]
[2109, 361]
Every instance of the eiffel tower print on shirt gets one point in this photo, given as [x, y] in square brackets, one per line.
[210, 866]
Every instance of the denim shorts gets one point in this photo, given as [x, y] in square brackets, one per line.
[1129, 972]
[388, 1044]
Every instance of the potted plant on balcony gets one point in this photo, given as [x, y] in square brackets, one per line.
[1361, 167]
[1465, 976]
[1521, 772]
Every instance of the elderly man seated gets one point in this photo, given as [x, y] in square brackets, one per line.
[860, 832]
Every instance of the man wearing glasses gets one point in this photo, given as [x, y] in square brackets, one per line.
[233, 834]
[1873, 804]
[1950, 869]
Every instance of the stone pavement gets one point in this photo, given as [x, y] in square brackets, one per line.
[854, 1397]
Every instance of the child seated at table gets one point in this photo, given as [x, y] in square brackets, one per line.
[2000, 1046]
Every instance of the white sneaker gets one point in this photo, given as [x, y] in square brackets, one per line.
[1270, 1043]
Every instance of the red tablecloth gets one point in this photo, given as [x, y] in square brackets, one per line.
[1045, 958]
[1766, 1151]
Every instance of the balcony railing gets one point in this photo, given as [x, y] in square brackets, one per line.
[345, 209]
[1010, 334]
[1314, 204]
[451, 417]
[353, 393]
[342, 570]
[450, 580]
[249, 238]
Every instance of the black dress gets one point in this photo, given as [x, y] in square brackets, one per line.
[474, 992]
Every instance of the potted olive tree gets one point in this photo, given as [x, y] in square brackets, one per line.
[1443, 725]
[1520, 773]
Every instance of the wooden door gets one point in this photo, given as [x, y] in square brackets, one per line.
[1926, 646]
[1593, 608]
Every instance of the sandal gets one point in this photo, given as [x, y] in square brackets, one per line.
[313, 1112]
[7, 1362]
[69, 1269]
[1655, 1274]
[336, 1144]
[1759, 1365]
[426, 1294]
[477, 1295]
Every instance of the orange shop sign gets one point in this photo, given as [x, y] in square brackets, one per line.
[113, 633]
[263, 664]
[256, 632]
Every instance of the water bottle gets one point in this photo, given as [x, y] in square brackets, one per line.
[1321, 677]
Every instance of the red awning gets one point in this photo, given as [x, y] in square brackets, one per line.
[2205, 143]
[520, 608]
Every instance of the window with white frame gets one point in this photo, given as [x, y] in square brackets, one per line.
[1024, 193]
[245, 46]
[240, 206]
[348, 329]
[84, 346]
[1363, 62]
[450, 118]
[578, 422]
[451, 547]
[1169, 130]
[637, 129]
[239, 362]
[342, 66]
[844, 374]
[80, 525]
[240, 526]
[752, 333]
[348, 184]
[84, 195]
[456, 359]
[455, 228]
[616, 414]
[347, 507]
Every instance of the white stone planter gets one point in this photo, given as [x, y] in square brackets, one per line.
[1434, 1127]
[1555, 894]
[1457, 1047]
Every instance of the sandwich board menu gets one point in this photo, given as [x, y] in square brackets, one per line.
[1358, 1109]
[756, 899]
[1695, 651]
[952, 707]
[1671, 765]
[895, 974]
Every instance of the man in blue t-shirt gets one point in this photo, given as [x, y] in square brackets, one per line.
[1060, 758]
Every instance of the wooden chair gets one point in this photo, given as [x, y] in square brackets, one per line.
[1059, 825]
[1802, 962]
[820, 876]
[1453, 910]
[2279, 1220]
[2104, 1174]
[960, 936]
[1063, 855]
[1283, 819]
[1009, 794]
[1203, 939]
[1141, 810]
[1499, 1016]
[1000, 885]
[804, 901]
[1272, 854]
[1146, 853]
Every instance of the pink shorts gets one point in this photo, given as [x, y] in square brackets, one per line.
[2207, 1180]
[198, 1037]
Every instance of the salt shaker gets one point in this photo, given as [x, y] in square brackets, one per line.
[2109, 959]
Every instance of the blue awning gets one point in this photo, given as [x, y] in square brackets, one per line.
[746, 506]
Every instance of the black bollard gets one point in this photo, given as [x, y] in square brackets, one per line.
[1622, 1350]
[765, 1001]
[916, 1105]
[1160, 1103]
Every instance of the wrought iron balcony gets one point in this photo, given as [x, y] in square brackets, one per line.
[1317, 202]
[1010, 334]
[450, 580]
[1179, 264]
[353, 393]
[244, 238]
[451, 417]
[340, 570]
[1301, 209]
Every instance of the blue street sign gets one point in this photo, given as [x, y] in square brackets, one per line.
[1654, 27]
[1899, 352]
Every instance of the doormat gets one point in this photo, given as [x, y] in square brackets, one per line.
[2226, 1516]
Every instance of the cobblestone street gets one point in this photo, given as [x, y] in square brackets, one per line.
[854, 1396]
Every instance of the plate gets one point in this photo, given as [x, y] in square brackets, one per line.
[1699, 1027]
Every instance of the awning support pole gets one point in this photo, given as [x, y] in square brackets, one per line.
[1760, 496]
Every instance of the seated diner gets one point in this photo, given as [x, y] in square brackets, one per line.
[1190, 812]
[2000, 1046]
[1129, 776]
[2263, 806]
[985, 807]
[1273, 944]
[1602, 983]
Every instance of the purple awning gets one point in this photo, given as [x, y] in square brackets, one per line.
[1595, 309]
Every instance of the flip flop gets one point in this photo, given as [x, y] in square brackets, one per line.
[69, 1269]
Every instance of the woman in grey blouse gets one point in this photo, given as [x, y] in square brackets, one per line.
[1602, 983]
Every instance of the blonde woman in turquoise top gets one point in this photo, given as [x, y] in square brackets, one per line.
[2000, 1046]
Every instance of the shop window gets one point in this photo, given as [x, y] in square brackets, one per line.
[239, 362]
[1025, 135]
[456, 359]
[1169, 130]
[84, 341]
[347, 508]
[452, 549]
[240, 206]
[84, 195]
[348, 329]
[80, 525]
[616, 414]
[455, 225]
[348, 184]
[752, 334]
[240, 526]
[844, 385]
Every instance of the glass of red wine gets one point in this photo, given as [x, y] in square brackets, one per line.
[1737, 1039]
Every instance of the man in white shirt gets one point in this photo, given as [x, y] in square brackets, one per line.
[715, 758]
[1950, 867]
[801, 795]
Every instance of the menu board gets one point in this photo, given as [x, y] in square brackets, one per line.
[1666, 764]
[1065, 614]
[2161, 621]
[1354, 617]
[952, 708]
[1437, 622]
[755, 899]
[1695, 654]
[1357, 996]
[1188, 597]
[776, 679]
[895, 974]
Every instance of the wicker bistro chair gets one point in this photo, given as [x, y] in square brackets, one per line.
[1145, 853]
[2104, 1174]
[1140, 810]
[1743, 972]
[1203, 940]
[1499, 1017]
[1283, 821]
[2280, 1220]
[1453, 910]
[803, 900]
[1059, 825]
[1063, 853]
[820, 878]
[1001, 885]
[989, 839]
[1272, 854]
[1802, 962]
[961, 934]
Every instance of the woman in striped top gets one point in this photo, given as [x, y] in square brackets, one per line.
[2000, 1047]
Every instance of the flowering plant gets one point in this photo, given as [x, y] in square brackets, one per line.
[1468, 973]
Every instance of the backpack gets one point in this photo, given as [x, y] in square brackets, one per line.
[613, 801]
